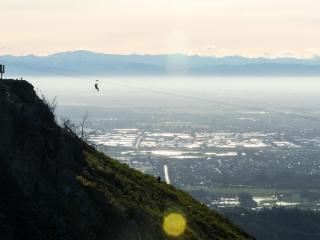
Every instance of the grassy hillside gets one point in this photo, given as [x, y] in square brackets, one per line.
[54, 186]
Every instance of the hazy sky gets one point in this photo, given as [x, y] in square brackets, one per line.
[205, 27]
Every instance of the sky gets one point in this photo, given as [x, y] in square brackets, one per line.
[251, 28]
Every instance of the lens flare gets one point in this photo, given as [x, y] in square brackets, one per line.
[174, 224]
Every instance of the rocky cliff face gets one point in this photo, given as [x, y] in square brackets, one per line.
[54, 186]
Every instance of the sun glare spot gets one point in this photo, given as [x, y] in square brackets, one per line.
[174, 224]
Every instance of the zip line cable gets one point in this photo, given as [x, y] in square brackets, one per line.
[73, 74]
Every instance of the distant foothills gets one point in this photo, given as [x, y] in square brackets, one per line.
[90, 63]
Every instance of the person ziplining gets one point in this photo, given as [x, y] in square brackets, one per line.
[96, 85]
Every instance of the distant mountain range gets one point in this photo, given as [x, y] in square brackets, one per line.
[90, 63]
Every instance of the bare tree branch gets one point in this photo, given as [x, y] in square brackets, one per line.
[81, 130]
